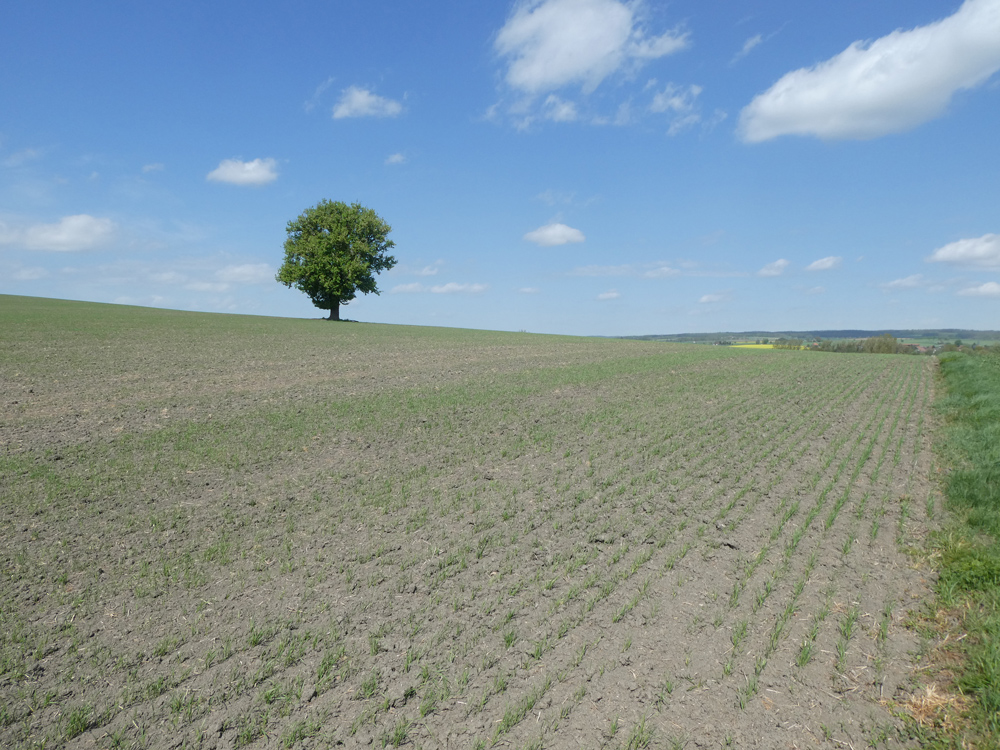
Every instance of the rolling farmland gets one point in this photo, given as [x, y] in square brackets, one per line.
[239, 532]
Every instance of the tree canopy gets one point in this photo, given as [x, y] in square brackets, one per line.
[333, 251]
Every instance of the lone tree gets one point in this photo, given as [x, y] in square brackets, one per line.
[333, 251]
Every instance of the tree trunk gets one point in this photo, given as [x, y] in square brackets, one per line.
[335, 311]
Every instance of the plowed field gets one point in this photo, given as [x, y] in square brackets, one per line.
[226, 531]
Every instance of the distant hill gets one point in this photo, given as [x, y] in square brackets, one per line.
[942, 334]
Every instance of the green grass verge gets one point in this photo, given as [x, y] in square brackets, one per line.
[969, 581]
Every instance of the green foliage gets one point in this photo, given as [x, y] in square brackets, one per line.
[333, 251]
[970, 565]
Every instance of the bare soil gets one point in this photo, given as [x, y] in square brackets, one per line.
[300, 534]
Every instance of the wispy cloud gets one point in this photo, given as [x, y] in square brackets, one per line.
[989, 289]
[311, 103]
[608, 295]
[981, 252]
[680, 104]
[886, 86]
[748, 46]
[624, 270]
[246, 273]
[395, 159]
[22, 157]
[774, 269]
[147, 168]
[661, 272]
[359, 102]
[252, 173]
[709, 299]
[909, 282]
[551, 235]
[825, 264]
[69, 234]
[450, 288]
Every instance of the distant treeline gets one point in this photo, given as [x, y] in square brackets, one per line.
[884, 344]
[939, 334]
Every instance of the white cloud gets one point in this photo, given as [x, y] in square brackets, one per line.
[529, 290]
[675, 98]
[395, 159]
[983, 252]
[774, 269]
[552, 43]
[167, 277]
[825, 264]
[679, 102]
[452, 288]
[559, 110]
[554, 234]
[989, 289]
[625, 270]
[69, 234]
[314, 99]
[708, 299]
[32, 273]
[413, 288]
[552, 197]
[661, 272]
[748, 45]
[611, 294]
[236, 172]
[910, 282]
[19, 158]
[358, 102]
[247, 273]
[207, 286]
[147, 168]
[887, 86]
[816, 290]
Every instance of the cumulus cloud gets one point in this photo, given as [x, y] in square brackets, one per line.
[774, 269]
[989, 289]
[886, 86]
[554, 234]
[910, 282]
[236, 172]
[982, 252]
[247, 273]
[358, 102]
[825, 264]
[552, 43]
[69, 234]
[610, 294]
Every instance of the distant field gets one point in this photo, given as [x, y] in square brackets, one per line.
[228, 531]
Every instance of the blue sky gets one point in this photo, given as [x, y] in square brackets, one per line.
[566, 166]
